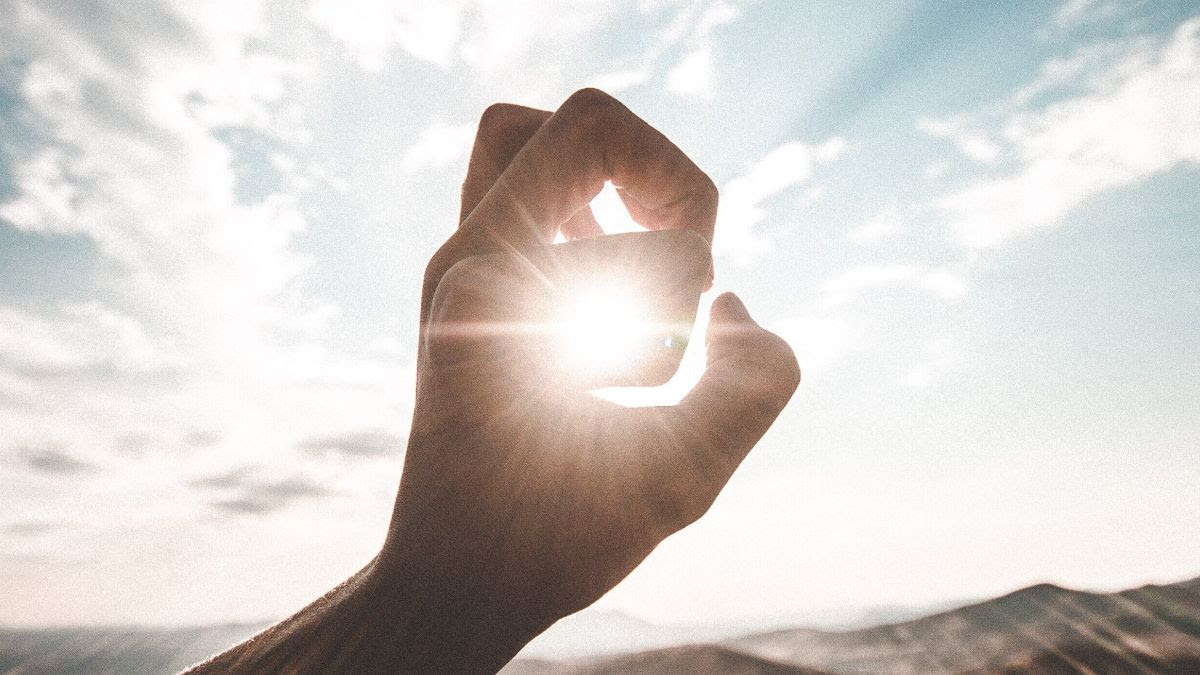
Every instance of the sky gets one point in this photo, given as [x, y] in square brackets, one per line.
[976, 223]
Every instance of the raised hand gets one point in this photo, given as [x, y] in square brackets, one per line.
[524, 498]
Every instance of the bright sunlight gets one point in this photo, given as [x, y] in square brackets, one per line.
[602, 328]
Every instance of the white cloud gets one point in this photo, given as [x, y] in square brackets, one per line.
[496, 38]
[943, 283]
[742, 199]
[201, 323]
[695, 75]
[621, 80]
[77, 338]
[863, 277]
[819, 341]
[46, 199]
[1139, 123]
[438, 146]
[973, 144]
[370, 29]
[939, 356]
[1093, 66]
[883, 225]
[1073, 13]
[715, 14]
[851, 284]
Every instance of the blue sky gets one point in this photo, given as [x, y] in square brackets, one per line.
[975, 222]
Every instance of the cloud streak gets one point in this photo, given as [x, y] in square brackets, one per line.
[55, 461]
[245, 491]
[370, 443]
[743, 199]
[1139, 123]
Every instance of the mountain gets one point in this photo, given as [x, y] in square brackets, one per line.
[131, 651]
[1046, 627]
[1040, 629]
[704, 658]
[596, 632]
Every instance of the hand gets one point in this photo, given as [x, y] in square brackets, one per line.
[523, 495]
[524, 498]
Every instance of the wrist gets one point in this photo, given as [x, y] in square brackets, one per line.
[383, 620]
[443, 618]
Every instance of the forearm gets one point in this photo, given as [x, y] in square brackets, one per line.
[376, 622]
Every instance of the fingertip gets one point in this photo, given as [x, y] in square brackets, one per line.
[728, 307]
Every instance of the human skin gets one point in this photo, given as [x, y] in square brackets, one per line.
[523, 498]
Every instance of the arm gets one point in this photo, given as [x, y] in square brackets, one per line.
[380, 621]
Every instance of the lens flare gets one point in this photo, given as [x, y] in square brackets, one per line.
[601, 328]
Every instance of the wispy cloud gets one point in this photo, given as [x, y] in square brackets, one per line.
[851, 284]
[973, 144]
[248, 490]
[881, 226]
[1130, 126]
[695, 75]
[939, 357]
[743, 199]
[493, 39]
[819, 341]
[80, 341]
[371, 29]
[617, 81]
[198, 344]
[1073, 13]
[31, 528]
[370, 443]
[55, 461]
[440, 145]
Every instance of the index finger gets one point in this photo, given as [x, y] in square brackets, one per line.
[590, 139]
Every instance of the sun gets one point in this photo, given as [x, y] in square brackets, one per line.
[606, 329]
[601, 328]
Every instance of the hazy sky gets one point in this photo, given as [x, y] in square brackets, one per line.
[975, 222]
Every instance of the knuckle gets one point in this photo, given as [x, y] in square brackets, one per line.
[590, 107]
[503, 129]
[498, 116]
[448, 279]
[439, 263]
[589, 97]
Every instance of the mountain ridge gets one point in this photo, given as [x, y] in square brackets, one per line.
[1044, 628]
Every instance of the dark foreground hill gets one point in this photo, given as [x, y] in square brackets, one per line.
[1040, 629]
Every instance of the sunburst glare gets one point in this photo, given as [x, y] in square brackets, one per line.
[601, 328]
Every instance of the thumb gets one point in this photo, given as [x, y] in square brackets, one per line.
[755, 362]
[751, 375]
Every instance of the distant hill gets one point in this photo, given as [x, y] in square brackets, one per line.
[128, 651]
[1040, 629]
[1043, 628]
[707, 658]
